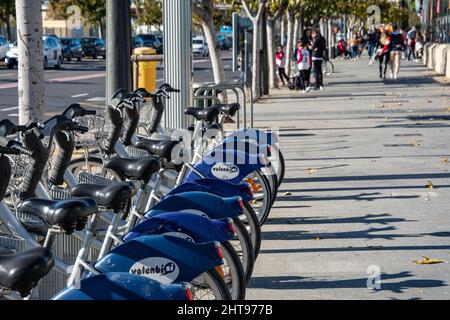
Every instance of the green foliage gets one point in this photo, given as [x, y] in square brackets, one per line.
[7, 9]
[149, 12]
[94, 11]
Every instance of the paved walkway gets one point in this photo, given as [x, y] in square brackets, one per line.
[359, 157]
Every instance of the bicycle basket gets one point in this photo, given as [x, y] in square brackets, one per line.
[98, 130]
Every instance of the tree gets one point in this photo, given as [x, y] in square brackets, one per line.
[149, 13]
[93, 11]
[204, 10]
[255, 17]
[274, 13]
[31, 61]
[6, 11]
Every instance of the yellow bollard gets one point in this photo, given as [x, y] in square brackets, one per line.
[147, 70]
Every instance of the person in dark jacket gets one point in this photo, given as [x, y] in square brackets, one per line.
[318, 54]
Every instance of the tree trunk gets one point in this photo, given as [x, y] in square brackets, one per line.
[289, 45]
[8, 28]
[296, 32]
[282, 32]
[215, 54]
[271, 54]
[31, 61]
[256, 87]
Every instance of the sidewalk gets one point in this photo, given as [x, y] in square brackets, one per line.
[359, 157]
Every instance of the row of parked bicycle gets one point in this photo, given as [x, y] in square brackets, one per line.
[155, 216]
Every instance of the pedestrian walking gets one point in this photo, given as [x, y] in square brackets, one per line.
[383, 58]
[342, 50]
[395, 46]
[318, 53]
[303, 66]
[354, 46]
[419, 46]
[411, 37]
[280, 59]
[372, 42]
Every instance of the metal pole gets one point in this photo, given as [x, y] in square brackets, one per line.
[177, 16]
[118, 33]
[235, 40]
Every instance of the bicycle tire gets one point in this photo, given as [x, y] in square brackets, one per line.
[238, 286]
[215, 281]
[265, 197]
[255, 228]
[247, 256]
[280, 168]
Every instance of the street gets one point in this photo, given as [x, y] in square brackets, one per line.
[82, 82]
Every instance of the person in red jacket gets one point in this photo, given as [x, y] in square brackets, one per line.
[395, 46]
[280, 59]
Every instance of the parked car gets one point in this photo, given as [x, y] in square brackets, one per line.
[199, 46]
[72, 48]
[149, 41]
[93, 47]
[52, 53]
[4, 47]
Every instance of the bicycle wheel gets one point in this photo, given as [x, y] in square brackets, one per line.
[232, 272]
[94, 166]
[254, 229]
[277, 160]
[210, 286]
[328, 68]
[262, 195]
[242, 244]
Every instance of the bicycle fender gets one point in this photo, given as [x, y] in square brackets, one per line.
[197, 227]
[221, 188]
[213, 206]
[163, 258]
[229, 165]
[122, 286]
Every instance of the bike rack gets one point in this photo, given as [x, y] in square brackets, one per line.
[202, 93]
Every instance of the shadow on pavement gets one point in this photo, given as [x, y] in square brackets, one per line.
[382, 219]
[354, 249]
[293, 282]
[360, 234]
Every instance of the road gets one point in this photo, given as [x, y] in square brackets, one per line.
[82, 82]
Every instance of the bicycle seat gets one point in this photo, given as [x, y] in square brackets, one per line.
[160, 148]
[208, 114]
[135, 169]
[21, 272]
[70, 215]
[114, 196]
[229, 109]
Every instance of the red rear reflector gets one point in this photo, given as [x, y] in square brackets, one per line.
[241, 204]
[232, 228]
[219, 251]
[189, 295]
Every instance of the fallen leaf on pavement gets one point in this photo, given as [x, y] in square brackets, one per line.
[445, 160]
[317, 238]
[311, 171]
[430, 185]
[288, 194]
[427, 260]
